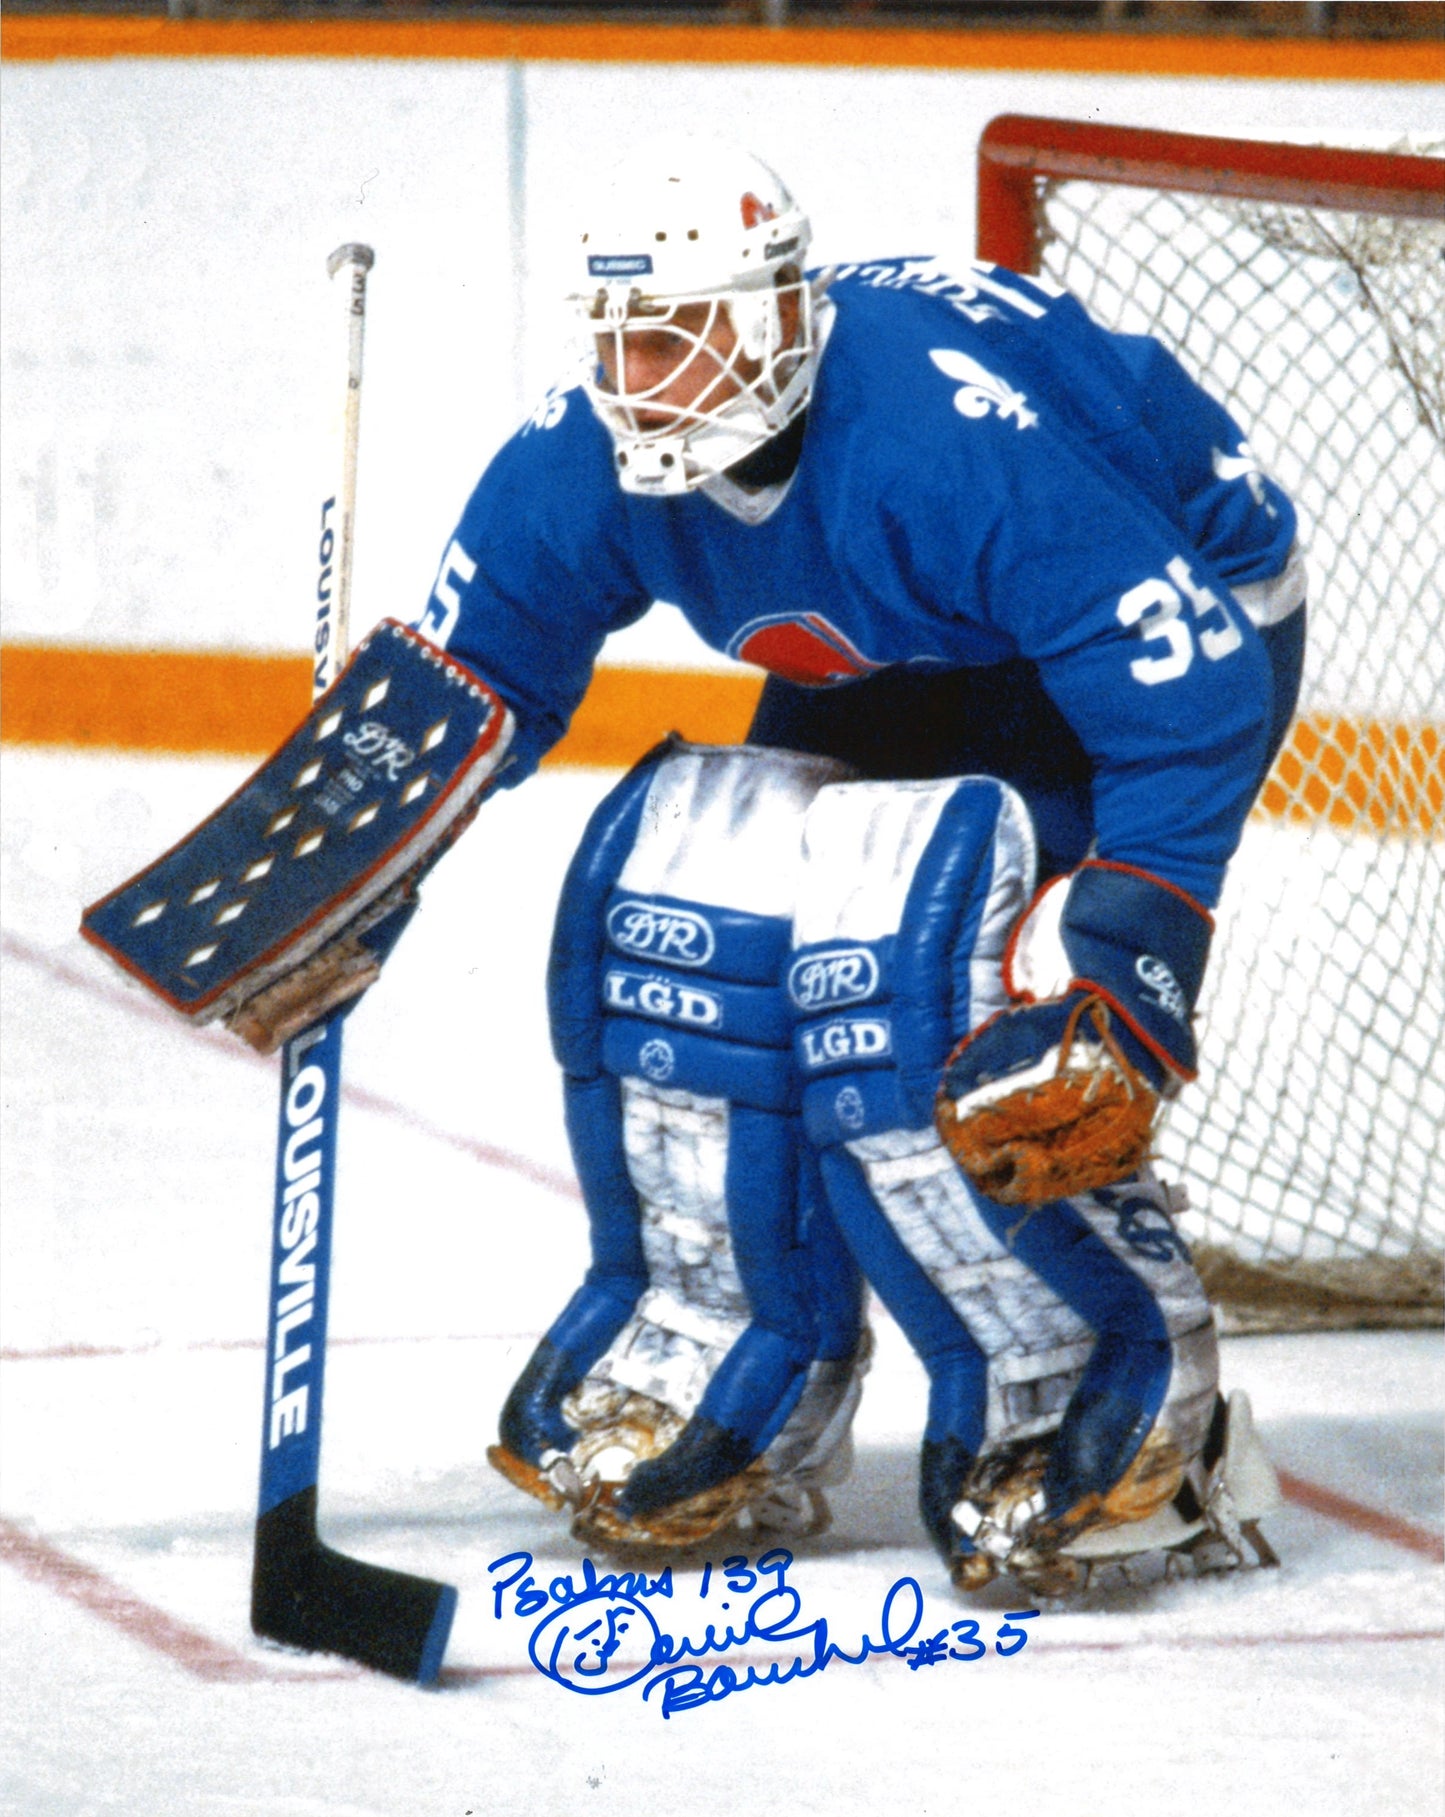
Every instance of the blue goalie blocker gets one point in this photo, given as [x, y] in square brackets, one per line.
[326, 841]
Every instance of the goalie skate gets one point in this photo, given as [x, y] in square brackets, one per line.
[1213, 1520]
[779, 1495]
[1210, 1522]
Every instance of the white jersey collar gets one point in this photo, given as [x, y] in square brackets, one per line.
[755, 504]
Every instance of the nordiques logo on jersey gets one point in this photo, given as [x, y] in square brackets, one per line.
[847, 975]
[809, 650]
[651, 931]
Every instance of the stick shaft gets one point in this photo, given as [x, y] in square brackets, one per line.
[291, 1437]
[333, 613]
[304, 1193]
[300, 1262]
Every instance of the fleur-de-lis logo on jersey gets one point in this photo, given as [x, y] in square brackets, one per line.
[982, 390]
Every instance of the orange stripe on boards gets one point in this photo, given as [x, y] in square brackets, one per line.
[218, 701]
[1363, 774]
[228, 703]
[626, 711]
[31, 38]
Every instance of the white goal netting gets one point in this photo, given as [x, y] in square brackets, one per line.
[1314, 1146]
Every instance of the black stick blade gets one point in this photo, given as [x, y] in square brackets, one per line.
[306, 1595]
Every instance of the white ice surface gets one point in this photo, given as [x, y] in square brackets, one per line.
[137, 1159]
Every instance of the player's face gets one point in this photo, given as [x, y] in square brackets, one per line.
[688, 361]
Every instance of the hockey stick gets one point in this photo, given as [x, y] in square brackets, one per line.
[303, 1593]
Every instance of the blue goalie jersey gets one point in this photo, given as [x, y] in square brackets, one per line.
[1012, 542]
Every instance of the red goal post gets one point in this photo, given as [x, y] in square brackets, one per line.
[1018, 153]
[1305, 287]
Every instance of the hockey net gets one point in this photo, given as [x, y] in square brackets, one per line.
[1305, 288]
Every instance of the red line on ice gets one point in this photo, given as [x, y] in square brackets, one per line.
[66, 1353]
[508, 1160]
[468, 1675]
[216, 1663]
[1363, 1519]
[102, 1596]
[1312, 1496]
[1189, 1642]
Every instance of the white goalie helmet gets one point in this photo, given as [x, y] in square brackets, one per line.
[703, 330]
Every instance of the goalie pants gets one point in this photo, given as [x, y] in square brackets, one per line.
[758, 971]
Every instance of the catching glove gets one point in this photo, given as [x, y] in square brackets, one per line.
[1058, 1096]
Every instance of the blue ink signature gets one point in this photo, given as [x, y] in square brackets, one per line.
[585, 1626]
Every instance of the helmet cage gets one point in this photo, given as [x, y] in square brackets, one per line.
[754, 380]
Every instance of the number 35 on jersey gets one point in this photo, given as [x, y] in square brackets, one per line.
[1156, 608]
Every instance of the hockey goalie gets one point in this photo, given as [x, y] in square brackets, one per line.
[892, 994]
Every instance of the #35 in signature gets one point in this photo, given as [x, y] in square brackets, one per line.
[612, 1631]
